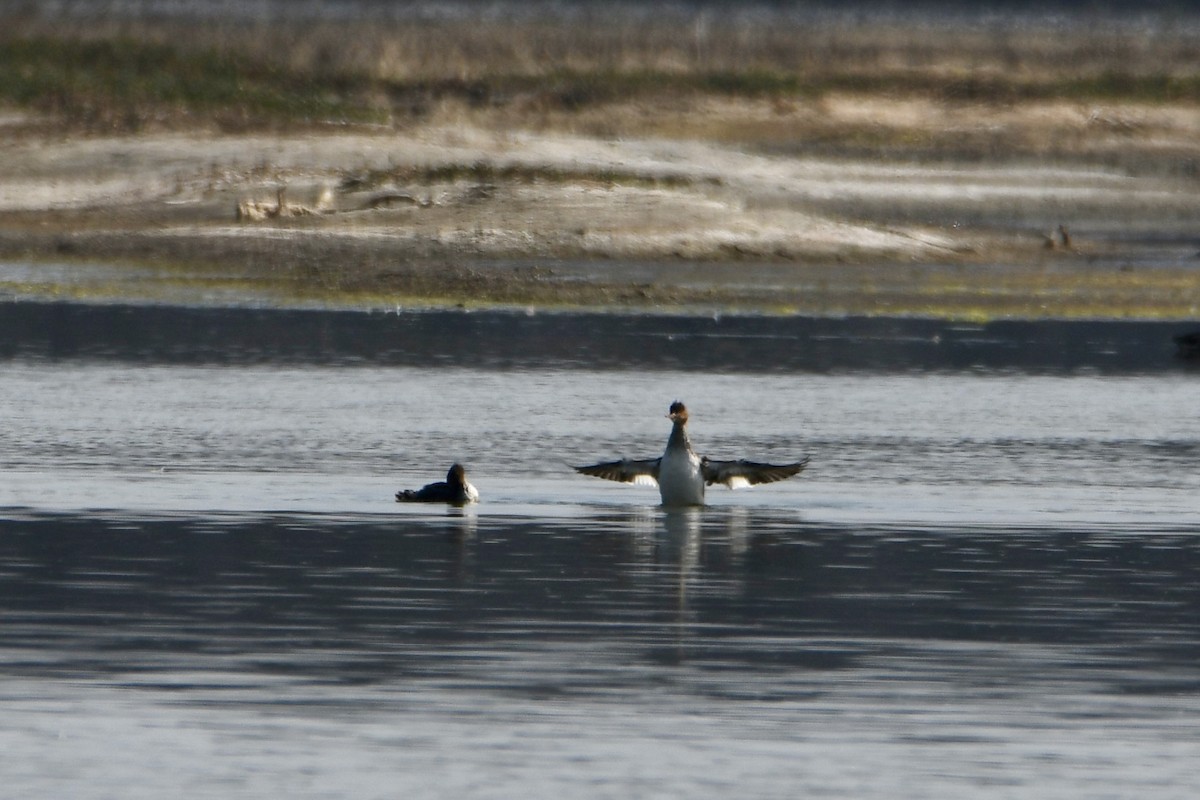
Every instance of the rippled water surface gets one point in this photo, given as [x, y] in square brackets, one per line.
[987, 583]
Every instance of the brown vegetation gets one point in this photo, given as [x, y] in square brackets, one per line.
[541, 67]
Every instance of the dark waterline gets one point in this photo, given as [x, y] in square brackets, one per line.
[514, 339]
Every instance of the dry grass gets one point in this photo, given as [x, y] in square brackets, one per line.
[1102, 54]
[539, 68]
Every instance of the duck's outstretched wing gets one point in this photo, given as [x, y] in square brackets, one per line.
[742, 473]
[627, 470]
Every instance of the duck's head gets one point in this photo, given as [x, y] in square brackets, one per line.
[456, 475]
[677, 413]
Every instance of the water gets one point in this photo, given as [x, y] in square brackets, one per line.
[985, 585]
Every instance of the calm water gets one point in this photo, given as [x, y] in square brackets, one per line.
[987, 584]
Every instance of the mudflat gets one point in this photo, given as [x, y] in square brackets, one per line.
[834, 197]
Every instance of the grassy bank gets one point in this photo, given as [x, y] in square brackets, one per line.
[115, 73]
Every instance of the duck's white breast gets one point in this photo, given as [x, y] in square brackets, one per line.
[680, 482]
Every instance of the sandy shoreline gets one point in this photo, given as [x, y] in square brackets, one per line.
[461, 214]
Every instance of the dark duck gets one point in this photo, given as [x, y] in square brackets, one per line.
[455, 490]
[1188, 345]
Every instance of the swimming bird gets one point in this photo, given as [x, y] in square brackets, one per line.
[681, 475]
[1188, 344]
[455, 490]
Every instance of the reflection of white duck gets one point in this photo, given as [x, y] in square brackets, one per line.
[681, 474]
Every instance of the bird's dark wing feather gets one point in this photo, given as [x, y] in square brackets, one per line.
[736, 474]
[431, 492]
[626, 470]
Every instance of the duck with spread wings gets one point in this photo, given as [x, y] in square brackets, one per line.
[682, 475]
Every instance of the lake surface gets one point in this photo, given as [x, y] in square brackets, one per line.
[987, 584]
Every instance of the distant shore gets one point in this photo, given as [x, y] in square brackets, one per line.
[787, 187]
